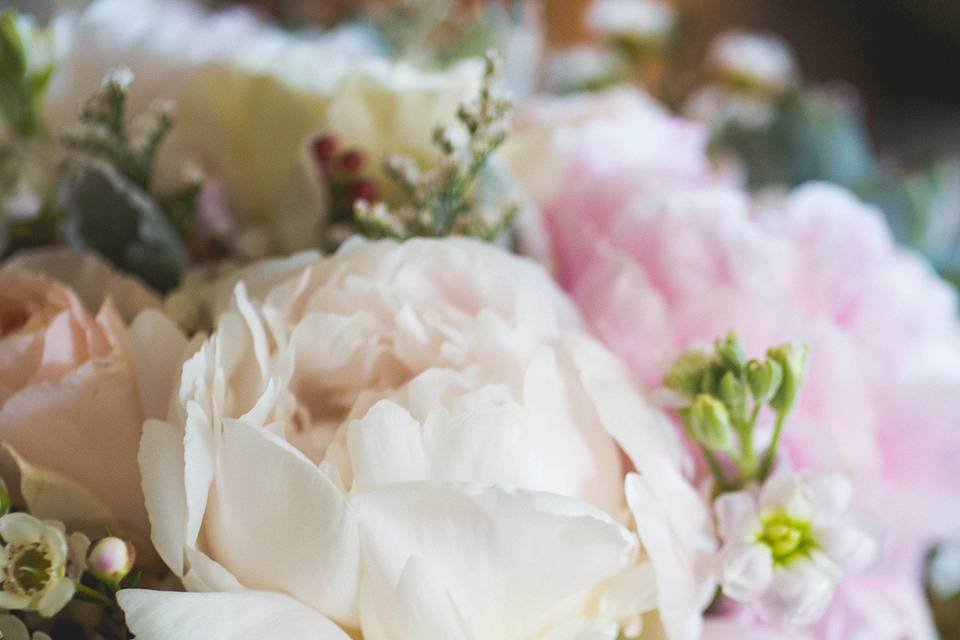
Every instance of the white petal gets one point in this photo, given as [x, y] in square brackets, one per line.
[161, 467]
[507, 560]
[418, 606]
[13, 601]
[20, 528]
[849, 546]
[831, 491]
[735, 515]
[798, 595]
[56, 597]
[679, 584]
[746, 571]
[157, 348]
[278, 523]
[162, 615]
[386, 446]
[790, 493]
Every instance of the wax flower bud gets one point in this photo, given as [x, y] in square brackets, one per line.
[764, 379]
[710, 422]
[792, 358]
[111, 559]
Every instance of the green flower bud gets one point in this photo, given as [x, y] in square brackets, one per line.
[710, 423]
[733, 393]
[730, 353]
[764, 379]
[792, 358]
[687, 372]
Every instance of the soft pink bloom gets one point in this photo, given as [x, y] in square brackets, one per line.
[660, 255]
[80, 369]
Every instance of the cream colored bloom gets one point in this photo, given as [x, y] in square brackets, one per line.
[80, 369]
[246, 113]
[417, 440]
[33, 565]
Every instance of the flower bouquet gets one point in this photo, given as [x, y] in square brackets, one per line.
[363, 333]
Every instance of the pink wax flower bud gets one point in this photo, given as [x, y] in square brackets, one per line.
[111, 559]
[352, 160]
[323, 148]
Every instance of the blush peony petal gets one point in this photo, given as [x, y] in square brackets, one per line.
[309, 553]
[161, 615]
[508, 561]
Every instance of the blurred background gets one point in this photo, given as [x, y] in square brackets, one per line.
[902, 56]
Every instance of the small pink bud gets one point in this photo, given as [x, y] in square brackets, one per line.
[323, 148]
[352, 160]
[111, 559]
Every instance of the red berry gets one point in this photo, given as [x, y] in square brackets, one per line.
[364, 190]
[352, 160]
[323, 148]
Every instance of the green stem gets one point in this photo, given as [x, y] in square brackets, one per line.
[94, 594]
[748, 453]
[772, 448]
[722, 483]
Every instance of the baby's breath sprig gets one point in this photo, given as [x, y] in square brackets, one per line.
[722, 395]
[103, 133]
[443, 201]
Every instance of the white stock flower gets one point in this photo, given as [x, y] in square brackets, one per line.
[643, 20]
[416, 440]
[759, 60]
[33, 565]
[785, 548]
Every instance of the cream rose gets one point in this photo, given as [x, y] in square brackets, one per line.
[416, 440]
[247, 114]
[79, 373]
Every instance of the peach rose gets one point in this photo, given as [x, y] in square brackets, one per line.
[85, 358]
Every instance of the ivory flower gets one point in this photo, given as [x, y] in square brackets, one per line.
[33, 565]
[75, 387]
[785, 549]
[292, 86]
[450, 435]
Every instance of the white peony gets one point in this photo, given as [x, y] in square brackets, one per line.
[416, 440]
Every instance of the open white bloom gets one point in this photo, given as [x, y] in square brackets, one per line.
[758, 60]
[785, 549]
[33, 565]
[642, 20]
[416, 440]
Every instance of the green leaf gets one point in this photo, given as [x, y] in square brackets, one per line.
[112, 216]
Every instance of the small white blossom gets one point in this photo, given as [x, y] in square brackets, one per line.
[758, 60]
[786, 546]
[33, 565]
[643, 20]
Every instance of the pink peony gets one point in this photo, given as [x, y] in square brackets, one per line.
[84, 359]
[660, 255]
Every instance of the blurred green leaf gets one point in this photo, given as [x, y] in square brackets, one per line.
[108, 214]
